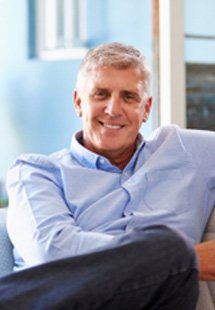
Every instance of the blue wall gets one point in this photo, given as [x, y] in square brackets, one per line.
[36, 106]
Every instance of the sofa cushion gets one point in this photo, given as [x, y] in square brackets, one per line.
[207, 289]
[6, 248]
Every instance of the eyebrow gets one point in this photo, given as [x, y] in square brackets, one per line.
[100, 89]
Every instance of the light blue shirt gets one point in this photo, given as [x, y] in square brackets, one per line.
[75, 201]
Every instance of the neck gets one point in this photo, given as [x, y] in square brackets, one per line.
[121, 160]
[121, 164]
[118, 159]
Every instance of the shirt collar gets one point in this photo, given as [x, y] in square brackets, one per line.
[92, 160]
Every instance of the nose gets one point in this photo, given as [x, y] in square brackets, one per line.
[113, 107]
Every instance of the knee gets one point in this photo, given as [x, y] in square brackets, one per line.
[160, 246]
[175, 249]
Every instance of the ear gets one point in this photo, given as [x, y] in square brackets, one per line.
[77, 103]
[148, 106]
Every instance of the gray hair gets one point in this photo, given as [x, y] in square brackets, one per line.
[119, 56]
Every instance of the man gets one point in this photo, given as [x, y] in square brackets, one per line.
[111, 221]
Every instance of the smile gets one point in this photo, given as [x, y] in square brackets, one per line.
[112, 126]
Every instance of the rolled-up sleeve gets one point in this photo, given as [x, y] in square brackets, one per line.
[40, 224]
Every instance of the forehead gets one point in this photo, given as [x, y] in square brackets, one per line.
[110, 77]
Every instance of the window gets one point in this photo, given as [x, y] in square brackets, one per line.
[61, 28]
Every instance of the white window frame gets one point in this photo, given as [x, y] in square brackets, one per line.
[73, 19]
[171, 63]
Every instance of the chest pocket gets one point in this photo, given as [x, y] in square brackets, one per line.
[167, 189]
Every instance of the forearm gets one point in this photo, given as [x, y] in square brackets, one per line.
[37, 246]
[206, 257]
[40, 223]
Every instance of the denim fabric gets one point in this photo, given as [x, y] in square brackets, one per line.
[153, 268]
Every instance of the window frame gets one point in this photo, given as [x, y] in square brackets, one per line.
[72, 43]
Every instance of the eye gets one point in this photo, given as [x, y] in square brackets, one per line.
[101, 94]
[130, 97]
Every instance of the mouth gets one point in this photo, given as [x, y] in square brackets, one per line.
[111, 126]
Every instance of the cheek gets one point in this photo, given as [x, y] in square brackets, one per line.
[90, 111]
[94, 110]
[86, 108]
[136, 116]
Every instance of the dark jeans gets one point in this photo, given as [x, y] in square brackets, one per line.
[154, 268]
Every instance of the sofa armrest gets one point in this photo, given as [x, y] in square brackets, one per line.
[6, 248]
[210, 229]
[207, 289]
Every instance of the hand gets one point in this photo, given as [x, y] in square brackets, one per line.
[206, 256]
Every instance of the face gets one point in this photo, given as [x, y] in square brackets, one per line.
[113, 106]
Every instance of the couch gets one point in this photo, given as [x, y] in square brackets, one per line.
[207, 289]
[6, 249]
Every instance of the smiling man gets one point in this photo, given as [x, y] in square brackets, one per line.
[113, 99]
[113, 104]
[111, 222]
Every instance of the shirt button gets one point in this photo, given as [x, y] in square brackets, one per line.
[126, 173]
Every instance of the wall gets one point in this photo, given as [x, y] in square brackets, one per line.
[36, 108]
[35, 96]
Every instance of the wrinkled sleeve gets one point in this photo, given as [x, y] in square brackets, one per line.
[39, 222]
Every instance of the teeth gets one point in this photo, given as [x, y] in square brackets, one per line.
[112, 126]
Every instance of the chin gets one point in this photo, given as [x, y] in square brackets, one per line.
[109, 143]
[109, 148]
